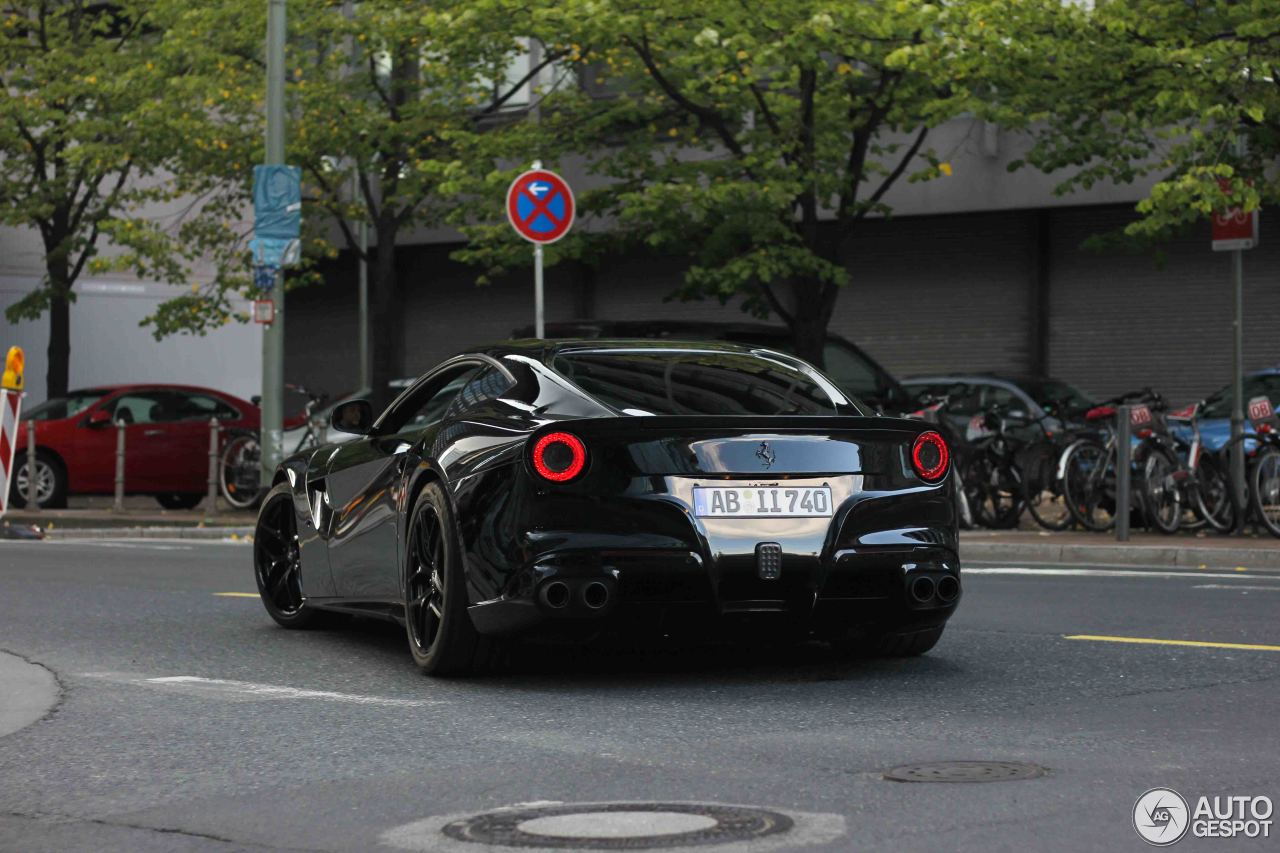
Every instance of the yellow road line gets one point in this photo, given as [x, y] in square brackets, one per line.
[237, 594]
[1196, 643]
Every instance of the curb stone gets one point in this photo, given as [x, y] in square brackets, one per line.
[205, 533]
[1128, 555]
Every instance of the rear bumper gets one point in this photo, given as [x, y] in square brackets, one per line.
[674, 591]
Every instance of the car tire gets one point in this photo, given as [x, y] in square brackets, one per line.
[47, 466]
[441, 636]
[179, 500]
[277, 562]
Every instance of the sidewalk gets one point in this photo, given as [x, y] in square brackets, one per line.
[140, 519]
[1186, 551]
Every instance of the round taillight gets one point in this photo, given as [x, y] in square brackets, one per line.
[559, 456]
[929, 456]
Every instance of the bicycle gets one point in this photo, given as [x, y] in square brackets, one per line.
[1263, 472]
[1203, 476]
[1087, 467]
[1042, 478]
[991, 477]
[240, 463]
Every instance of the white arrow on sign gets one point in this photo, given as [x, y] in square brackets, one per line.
[538, 189]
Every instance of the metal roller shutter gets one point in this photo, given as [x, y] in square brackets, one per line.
[1121, 321]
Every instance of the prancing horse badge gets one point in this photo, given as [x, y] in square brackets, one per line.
[765, 452]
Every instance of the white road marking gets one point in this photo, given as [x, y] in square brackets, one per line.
[229, 689]
[1114, 573]
[1241, 587]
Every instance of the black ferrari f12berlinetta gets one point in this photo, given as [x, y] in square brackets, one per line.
[569, 489]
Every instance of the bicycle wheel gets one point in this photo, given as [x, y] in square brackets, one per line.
[1265, 492]
[994, 491]
[1161, 493]
[1089, 485]
[1042, 488]
[238, 472]
[1211, 493]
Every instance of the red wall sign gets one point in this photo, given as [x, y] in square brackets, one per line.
[1234, 229]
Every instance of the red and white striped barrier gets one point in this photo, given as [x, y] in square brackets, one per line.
[10, 410]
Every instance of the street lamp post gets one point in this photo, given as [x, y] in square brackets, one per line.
[273, 332]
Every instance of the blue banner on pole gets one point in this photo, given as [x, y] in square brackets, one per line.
[277, 215]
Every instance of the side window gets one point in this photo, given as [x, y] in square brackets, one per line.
[1000, 396]
[852, 373]
[963, 399]
[201, 407]
[143, 407]
[487, 385]
[428, 405]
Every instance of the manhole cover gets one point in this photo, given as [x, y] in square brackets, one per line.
[618, 826]
[965, 771]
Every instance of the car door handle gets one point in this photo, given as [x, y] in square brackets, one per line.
[153, 432]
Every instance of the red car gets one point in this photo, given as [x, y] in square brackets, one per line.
[166, 442]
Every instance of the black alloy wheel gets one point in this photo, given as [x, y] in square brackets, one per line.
[424, 587]
[442, 639]
[277, 561]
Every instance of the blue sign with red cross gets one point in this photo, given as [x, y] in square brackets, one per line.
[540, 206]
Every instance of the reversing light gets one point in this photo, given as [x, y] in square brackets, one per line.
[559, 456]
[929, 456]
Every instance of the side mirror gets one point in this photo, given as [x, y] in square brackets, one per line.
[98, 418]
[353, 416]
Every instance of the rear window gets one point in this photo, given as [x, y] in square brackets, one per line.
[64, 407]
[699, 382]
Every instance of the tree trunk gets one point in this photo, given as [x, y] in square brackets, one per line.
[58, 376]
[386, 315]
[812, 305]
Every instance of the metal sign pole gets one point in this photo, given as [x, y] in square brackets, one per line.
[1123, 465]
[1237, 388]
[273, 333]
[539, 329]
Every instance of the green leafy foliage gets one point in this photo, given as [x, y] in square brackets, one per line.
[753, 137]
[1145, 90]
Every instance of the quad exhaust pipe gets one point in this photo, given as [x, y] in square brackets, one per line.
[555, 595]
[933, 590]
[591, 595]
[595, 595]
[922, 589]
[948, 589]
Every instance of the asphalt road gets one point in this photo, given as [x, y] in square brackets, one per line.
[189, 721]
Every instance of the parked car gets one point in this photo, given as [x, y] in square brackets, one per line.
[852, 369]
[1024, 397]
[166, 442]
[563, 491]
[1215, 415]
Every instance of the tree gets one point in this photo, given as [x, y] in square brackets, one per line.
[757, 137]
[88, 115]
[1145, 89]
[397, 112]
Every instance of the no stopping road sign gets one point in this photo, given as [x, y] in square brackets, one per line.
[540, 206]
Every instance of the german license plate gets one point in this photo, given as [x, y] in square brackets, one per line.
[762, 501]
